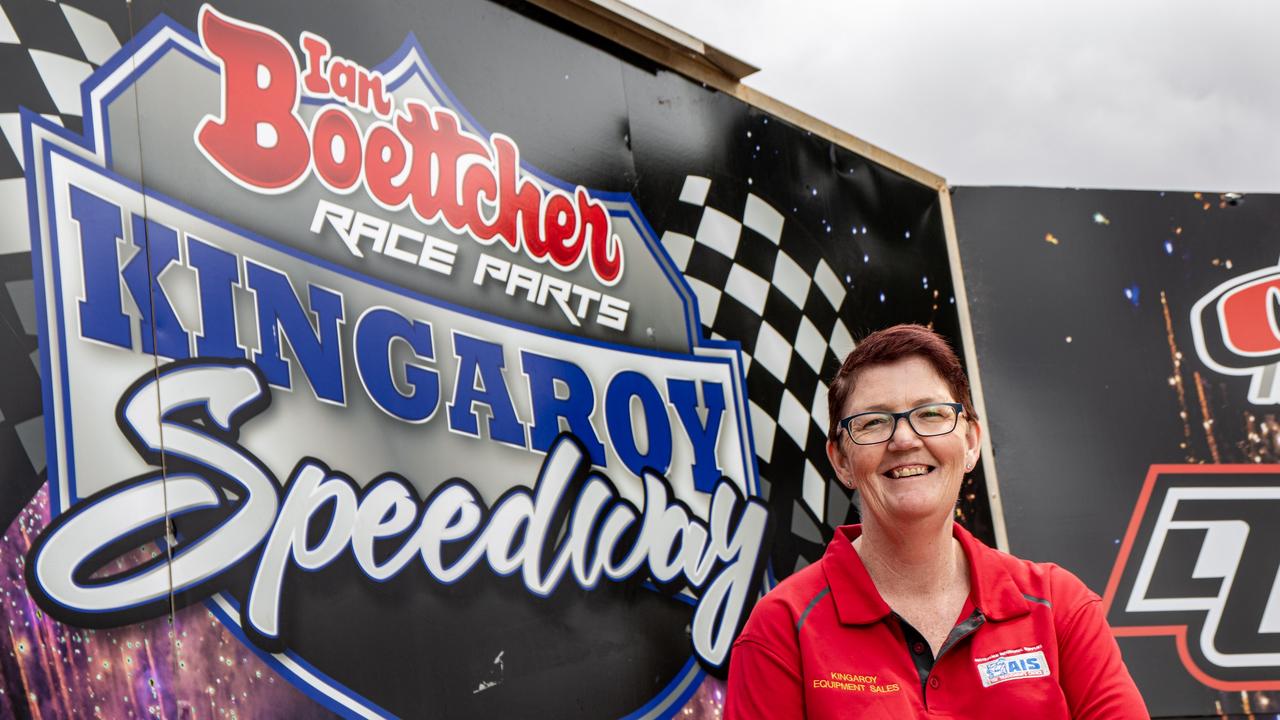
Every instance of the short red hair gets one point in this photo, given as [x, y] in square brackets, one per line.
[890, 345]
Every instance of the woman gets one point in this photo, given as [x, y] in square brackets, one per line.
[907, 615]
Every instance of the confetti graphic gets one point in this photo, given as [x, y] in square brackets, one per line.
[1127, 390]
[762, 281]
[768, 260]
[706, 704]
[192, 667]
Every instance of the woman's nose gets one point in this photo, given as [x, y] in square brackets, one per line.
[904, 436]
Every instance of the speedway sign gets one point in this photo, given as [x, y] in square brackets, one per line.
[366, 334]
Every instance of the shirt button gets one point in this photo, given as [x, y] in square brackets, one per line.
[934, 683]
[918, 648]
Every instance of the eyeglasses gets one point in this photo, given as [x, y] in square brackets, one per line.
[871, 428]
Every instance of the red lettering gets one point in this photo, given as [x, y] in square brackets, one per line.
[1249, 322]
[437, 147]
[605, 247]
[519, 199]
[453, 149]
[424, 157]
[559, 230]
[336, 148]
[342, 77]
[478, 188]
[373, 96]
[258, 139]
[415, 126]
[384, 159]
[317, 49]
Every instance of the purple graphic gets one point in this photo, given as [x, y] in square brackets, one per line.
[190, 668]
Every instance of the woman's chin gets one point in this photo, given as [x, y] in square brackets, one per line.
[915, 506]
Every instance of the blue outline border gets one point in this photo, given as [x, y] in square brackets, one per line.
[96, 116]
[270, 659]
[128, 82]
[677, 699]
[49, 149]
[53, 477]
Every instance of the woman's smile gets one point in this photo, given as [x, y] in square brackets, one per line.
[905, 471]
[906, 475]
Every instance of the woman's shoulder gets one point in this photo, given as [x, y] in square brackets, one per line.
[776, 615]
[794, 593]
[1047, 581]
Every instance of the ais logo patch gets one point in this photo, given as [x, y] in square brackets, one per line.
[1013, 667]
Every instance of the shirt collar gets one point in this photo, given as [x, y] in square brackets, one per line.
[859, 603]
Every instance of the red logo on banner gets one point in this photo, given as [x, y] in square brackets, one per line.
[420, 158]
[1237, 331]
[1199, 563]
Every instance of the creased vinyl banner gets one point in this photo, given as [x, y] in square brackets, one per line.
[1129, 346]
[668, 503]
[341, 390]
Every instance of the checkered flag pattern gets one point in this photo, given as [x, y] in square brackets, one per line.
[783, 303]
[783, 306]
[47, 49]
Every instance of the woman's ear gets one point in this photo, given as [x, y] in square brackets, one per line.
[838, 462]
[973, 444]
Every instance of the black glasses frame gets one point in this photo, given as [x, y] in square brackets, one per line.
[905, 414]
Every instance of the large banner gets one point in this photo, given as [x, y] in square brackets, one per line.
[1129, 345]
[412, 359]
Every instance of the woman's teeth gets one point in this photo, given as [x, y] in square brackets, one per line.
[908, 471]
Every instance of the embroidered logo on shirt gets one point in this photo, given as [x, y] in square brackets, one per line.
[854, 682]
[1012, 667]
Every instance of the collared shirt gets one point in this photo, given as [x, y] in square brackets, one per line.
[1031, 642]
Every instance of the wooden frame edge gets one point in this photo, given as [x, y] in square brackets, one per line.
[685, 54]
[971, 361]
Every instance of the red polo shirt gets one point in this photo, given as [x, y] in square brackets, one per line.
[1031, 642]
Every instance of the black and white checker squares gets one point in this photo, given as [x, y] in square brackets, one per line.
[46, 49]
[784, 306]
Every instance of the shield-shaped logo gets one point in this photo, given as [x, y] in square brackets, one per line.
[374, 390]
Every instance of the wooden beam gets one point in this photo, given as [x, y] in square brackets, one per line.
[685, 54]
[975, 377]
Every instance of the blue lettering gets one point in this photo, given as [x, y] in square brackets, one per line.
[480, 382]
[280, 313]
[158, 246]
[101, 316]
[683, 396]
[657, 427]
[374, 334]
[217, 272]
[548, 407]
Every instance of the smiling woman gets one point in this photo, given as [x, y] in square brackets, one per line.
[907, 614]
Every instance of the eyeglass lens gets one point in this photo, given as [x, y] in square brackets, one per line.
[926, 421]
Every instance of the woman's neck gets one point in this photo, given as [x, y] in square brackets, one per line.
[917, 559]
